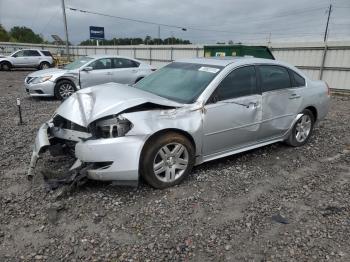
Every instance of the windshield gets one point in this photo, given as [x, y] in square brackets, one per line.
[78, 63]
[181, 82]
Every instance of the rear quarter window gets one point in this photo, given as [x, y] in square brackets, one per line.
[46, 53]
[298, 80]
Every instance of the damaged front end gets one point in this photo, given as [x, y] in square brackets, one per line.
[104, 128]
[59, 137]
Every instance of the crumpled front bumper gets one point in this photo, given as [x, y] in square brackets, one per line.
[122, 154]
[41, 142]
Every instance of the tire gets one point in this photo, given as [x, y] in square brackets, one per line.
[6, 66]
[64, 89]
[44, 65]
[158, 166]
[302, 129]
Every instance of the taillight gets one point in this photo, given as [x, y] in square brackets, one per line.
[328, 89]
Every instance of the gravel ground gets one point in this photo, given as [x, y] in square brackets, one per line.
[276, 203]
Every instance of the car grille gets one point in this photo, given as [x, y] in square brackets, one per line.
[59, 121]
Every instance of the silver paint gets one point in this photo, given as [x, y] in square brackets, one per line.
[217, 130]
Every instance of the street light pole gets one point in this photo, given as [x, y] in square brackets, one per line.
[65, 28]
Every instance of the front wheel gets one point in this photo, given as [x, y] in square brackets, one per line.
[302, 129]
[64, 89]
[6, 66]
[167, 160]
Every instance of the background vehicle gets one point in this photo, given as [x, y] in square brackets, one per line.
[184, 114]
[238, 50]
[27, 58]
[84, 72]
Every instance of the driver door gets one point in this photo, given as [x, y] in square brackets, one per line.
[233, 114]
[101, 73]
[18, 59]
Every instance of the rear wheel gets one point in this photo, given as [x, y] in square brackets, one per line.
[44, 65]
[167, 160]
[302, 129]
[6, 66]
[64, 89]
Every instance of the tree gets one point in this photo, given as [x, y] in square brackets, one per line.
[4, 36]
[25, 35]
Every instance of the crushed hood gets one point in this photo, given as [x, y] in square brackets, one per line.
[90, 104]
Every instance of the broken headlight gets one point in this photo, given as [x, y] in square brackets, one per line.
[115, 126]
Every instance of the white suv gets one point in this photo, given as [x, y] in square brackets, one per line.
[41, 59]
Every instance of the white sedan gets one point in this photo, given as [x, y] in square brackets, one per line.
[85, 72]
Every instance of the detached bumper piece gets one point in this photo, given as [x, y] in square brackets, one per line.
[74, 179]
[41, 143]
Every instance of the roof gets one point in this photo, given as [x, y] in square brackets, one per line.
[226, 60]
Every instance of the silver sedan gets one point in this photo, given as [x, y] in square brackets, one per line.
[184, 114]
[84, 72]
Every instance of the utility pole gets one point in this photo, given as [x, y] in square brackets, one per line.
[325, 43]
[326, 31]
[65, 28]
[159, 34]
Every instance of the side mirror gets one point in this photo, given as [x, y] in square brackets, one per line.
[87, 68]
[213, 99]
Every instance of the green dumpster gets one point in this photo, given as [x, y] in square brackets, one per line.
[238, 50]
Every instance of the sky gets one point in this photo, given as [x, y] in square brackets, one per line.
[245, 21]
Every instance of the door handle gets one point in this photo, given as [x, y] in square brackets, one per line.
[109, 73]
[294, 96]
[134, 70]
[253, 105]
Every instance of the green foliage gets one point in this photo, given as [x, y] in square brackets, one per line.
[139, 41]
[4, 36]
[25, 35]
[20, 34]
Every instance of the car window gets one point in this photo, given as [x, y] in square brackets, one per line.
[298, 80]
[124, 63]
[46, 53]
[240, 82]
[33, 53]
[78, 63]
[18, 54]
[274, 78]
[103, 63]
[181, 82]
[30, 53]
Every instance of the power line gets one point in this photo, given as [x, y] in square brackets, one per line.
[126, 18]
[184, 28]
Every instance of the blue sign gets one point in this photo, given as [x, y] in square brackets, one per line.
[97, 33]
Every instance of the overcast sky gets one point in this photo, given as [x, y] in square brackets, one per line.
[243, 20]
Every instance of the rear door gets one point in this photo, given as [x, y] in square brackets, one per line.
[281, 100]
[101, 73]
[125, 71]
[233, 114]
[33, 57]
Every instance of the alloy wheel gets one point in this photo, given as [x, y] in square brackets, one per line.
[170, 162]
[66, 90]
[303, 128]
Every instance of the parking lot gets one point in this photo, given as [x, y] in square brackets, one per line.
[275, 203]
